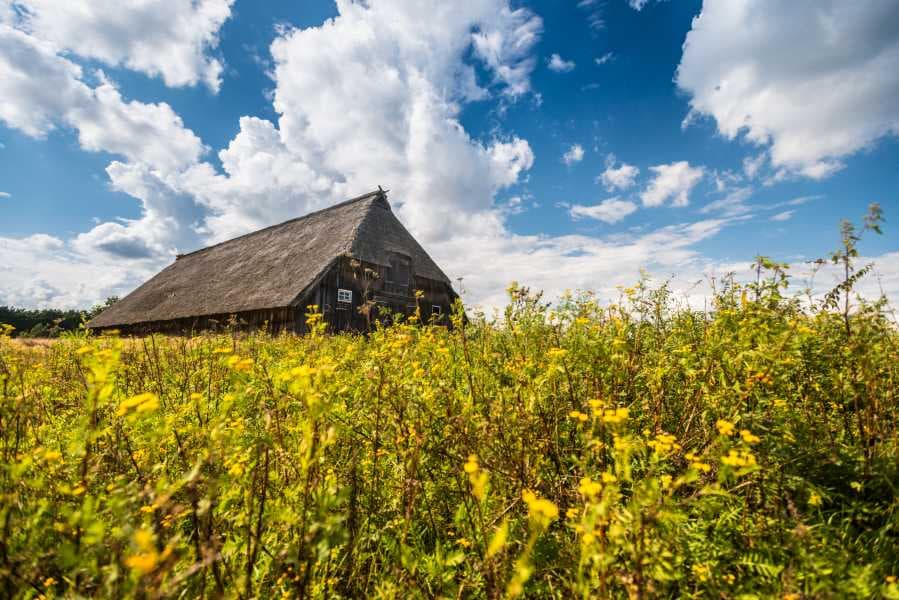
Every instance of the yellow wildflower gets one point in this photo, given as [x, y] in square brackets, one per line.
[556, 352]
[664, 443]
[748, 437]
[541, 510]
[578, 415]
[724, 427]
[814, 500]
[738, 458]
[472, 465]
[146, 559]
[701, 572]
[137, 402]
[608, 478]
[589, 488]
[615, 416]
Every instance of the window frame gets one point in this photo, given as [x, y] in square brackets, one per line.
[344, 296]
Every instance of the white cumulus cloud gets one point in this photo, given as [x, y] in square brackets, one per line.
[672, 182]
[609, 211]
[559, 65]
[813, 80]
[40, 90]
[167, 38]
[621, 177]
[574, 154]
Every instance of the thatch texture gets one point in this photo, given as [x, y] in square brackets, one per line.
[272, 267]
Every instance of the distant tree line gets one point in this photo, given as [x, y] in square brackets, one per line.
[49, 322]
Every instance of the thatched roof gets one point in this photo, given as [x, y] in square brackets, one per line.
[272, 267]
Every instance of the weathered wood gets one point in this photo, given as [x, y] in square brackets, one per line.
[268, 279]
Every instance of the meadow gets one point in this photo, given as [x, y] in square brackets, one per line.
[635, 449]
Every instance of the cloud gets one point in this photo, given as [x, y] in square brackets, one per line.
[37, 87]
[574, 154]
[559, 65]
[812, 82]
[40, 90]
[371, 97]
[672, 182]
[732, 204]
[605, 58]
[621, 178]
[42, 271]
[783, 216]
[594, 11]
[753, 165]
[609, 211]
[413, 68]
[502, 40]
[5, 195]
[638, 5]
[171, 39]
[414, 79]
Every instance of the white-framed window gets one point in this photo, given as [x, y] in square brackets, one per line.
[436, 309]
[345, 296]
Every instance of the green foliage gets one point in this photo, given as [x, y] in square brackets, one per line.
[627, 450]
[48, 322]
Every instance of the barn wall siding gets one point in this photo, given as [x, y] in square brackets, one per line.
[345, 273]
[364, 278]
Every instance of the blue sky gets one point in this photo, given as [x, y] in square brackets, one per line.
[724, 129]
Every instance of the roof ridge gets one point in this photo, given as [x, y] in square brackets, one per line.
[377, 192]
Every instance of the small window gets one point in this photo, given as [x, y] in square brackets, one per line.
[345, 296]
[436, 310]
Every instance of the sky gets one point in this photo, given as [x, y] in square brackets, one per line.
[565, 145]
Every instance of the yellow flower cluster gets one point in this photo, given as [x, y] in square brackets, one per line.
[476, 477]
[724, 427]
[146, 559]
[589, 488]
[541, 511]
[472, 465]
[664, 443]
[697, 463]
[738, 458]
[141, 403]
[578, 416]
[748, 437]
[614, 416]
[701, 572]
[241, 365]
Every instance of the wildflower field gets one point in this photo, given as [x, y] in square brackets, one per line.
[585, 450]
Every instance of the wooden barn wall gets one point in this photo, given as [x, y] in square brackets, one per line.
[347, 274]
[350, 274]
[274, 320]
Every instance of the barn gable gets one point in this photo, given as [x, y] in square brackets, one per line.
[271, 268]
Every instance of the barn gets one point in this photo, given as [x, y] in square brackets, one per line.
[354, 260]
